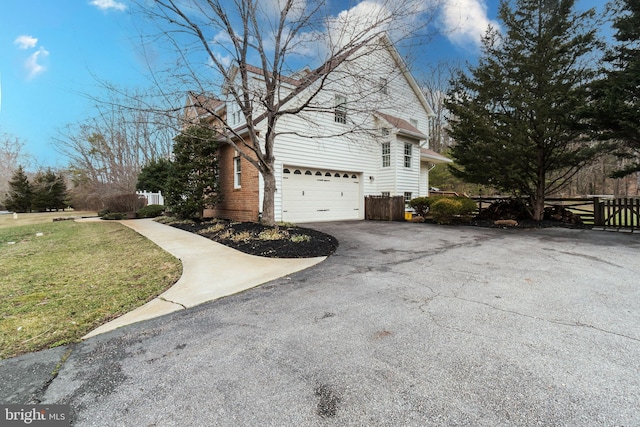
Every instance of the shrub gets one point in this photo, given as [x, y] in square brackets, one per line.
[273, 234]
[420, 205]
[213, 229]
[103, 212]
[125, 203]
[242, 236]
[300, 238]
[115, 216]
[151, 211]
[446, 209]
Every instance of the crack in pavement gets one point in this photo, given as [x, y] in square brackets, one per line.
[173, 302]
[553, 321]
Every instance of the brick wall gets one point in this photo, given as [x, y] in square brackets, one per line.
[238, 204]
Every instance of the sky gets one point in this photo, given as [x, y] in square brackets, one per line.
[53, 53]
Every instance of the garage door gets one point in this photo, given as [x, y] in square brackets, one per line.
[319, 195]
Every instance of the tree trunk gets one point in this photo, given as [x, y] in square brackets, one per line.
[268, 203]
[538, 202]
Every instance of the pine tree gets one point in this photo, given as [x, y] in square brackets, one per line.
[193, 183]
[49, 191]
[515, 114]
[616, 97]
[154, 176]
[19, 197]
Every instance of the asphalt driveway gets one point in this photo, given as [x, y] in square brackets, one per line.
[407, 324]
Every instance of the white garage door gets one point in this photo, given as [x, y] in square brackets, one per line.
[319, 195]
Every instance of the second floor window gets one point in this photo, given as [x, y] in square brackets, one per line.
[237, 172]
[408, 149]
[382, 85]
[340, 109]
[386, 154]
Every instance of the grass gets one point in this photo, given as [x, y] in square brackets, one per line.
[61, 280]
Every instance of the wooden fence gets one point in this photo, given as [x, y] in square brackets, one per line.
[618, 213]
[384, 208]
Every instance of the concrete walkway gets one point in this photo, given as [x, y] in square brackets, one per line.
[209, 271]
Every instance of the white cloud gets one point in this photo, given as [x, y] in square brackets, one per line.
[32, 64]
[465, 22]
[108, 4]
[26, 42]
[225, 60]
[358, 23]
[222, 38]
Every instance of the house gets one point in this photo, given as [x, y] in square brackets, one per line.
[366, 133]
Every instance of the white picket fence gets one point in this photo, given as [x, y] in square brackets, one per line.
[152, 198]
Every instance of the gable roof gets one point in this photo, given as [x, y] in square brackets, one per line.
[403, 126]
[407, 74]
[307, 76]
[203, 104]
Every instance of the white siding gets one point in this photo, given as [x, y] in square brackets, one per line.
[359, 152]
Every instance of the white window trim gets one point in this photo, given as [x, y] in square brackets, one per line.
[237, 172]
[383, 85]
[340, 109]
[386, 154]
[408, 155]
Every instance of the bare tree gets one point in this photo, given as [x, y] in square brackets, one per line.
[221, 45]
[107, 151]
[435, 85]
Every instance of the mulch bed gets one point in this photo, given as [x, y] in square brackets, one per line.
[246, 237]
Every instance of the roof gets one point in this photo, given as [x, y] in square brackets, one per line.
[403, 126]
[260, 72]
[204, 104]
[433, 157]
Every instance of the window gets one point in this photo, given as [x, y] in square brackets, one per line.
[408, 148]
[407, 196]
[386, 154]
[414, 123]
[386, 193]
[340, 109]
[234, 113]
[382, 85]
[237, 172]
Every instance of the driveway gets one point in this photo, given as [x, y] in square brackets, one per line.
[407, 324]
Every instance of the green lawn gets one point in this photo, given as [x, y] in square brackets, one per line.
[62, 279]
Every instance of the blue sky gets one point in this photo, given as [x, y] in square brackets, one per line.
[52, 51]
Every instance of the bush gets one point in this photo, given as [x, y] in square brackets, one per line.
[103, 212]
[446, 209]
[420, 205]
[125, 203]
[151, 211]
[114, 216]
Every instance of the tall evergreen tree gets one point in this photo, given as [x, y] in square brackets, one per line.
[617, 95]
[20, 193]
[49, 191]
[193, 183]
[154, 176]
[515, 114]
